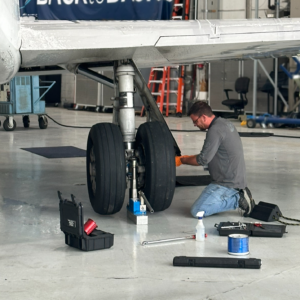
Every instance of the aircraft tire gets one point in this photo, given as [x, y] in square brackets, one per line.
[106, 168]
[155, 151]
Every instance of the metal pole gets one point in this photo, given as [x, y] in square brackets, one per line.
[254, 87]
[248, 9]
[205, 10]
[276, 86]
[273, 83]
[256, 8]
[277, 7]
[196, 10]
[254, 99]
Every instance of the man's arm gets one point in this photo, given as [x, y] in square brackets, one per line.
[189, 160]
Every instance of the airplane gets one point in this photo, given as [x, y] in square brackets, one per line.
[115, 153]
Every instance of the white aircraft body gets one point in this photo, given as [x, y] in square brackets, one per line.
[125, 45]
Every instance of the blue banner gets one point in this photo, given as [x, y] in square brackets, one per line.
[98, 9]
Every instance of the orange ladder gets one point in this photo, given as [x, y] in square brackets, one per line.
[181, 10]
[163, 90]
[160, 94]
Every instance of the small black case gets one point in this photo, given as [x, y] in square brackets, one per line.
[216, 262]
[71, 223]
[267, 230]
[267, 212]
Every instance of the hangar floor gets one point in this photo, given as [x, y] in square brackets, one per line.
[36, 264]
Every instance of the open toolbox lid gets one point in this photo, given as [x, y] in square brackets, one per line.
[71, 216]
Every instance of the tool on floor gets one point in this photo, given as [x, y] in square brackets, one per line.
[144, 243]
[200, 229]
[258, 224]
[217, 262]
[250, 229]
[89, 226]
[238, 244]
[239, 225]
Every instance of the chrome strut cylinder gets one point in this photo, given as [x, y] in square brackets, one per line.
[125, 75]
[133, 193]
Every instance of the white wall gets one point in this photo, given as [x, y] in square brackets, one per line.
[236, 9]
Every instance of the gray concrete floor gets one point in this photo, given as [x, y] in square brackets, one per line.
[35, 263]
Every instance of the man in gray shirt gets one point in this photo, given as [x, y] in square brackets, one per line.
[223, 153]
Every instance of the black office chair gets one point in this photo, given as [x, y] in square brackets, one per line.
[241, 87]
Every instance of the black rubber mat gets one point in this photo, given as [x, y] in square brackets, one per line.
[255, 134]
[196, 180]
[57, 152]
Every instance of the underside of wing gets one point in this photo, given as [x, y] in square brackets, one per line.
[153, 43]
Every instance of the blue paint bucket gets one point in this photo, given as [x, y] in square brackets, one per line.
[238, 244]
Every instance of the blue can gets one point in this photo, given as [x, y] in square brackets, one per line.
[238, 244]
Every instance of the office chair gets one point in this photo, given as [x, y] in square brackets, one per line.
[241, 87]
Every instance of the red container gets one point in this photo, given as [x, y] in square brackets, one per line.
[89, 226]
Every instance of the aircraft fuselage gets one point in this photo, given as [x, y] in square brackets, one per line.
[10, 40]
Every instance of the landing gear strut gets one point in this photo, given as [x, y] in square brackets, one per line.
[112, 148]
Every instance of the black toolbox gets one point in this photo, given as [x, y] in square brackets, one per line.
[71, 223]
[265, 230]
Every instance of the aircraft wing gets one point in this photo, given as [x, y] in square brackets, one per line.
[154, 43]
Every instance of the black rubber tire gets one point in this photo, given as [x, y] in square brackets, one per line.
[43, 123]
[106, 140]
[26, 121]
[6, 125]
[251, 123]
[154, 145]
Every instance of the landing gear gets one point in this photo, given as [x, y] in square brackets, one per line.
[156, 158]
[105, 168]
[114, 150]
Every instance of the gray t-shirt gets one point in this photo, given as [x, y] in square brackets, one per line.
[223, 153]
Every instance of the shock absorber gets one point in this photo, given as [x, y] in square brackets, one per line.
[125, 75]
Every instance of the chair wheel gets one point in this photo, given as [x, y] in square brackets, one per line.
[251, 123]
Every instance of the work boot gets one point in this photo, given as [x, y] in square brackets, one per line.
[246, 202]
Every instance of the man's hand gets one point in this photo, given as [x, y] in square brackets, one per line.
[186, 160]
[178, 161]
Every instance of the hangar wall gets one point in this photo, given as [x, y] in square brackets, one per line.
[224, 73]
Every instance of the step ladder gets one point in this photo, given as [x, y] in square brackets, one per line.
[181, 10]
[162, 91]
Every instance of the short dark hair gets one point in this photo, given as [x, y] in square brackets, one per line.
[200, 108]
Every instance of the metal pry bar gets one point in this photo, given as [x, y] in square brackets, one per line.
[144, 243]
[240, 225]
[141, 194]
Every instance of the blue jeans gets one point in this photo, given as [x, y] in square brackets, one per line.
[214, 199]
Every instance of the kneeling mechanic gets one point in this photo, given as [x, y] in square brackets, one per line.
[223, 153]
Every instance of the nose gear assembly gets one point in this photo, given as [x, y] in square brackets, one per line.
[117, 156]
